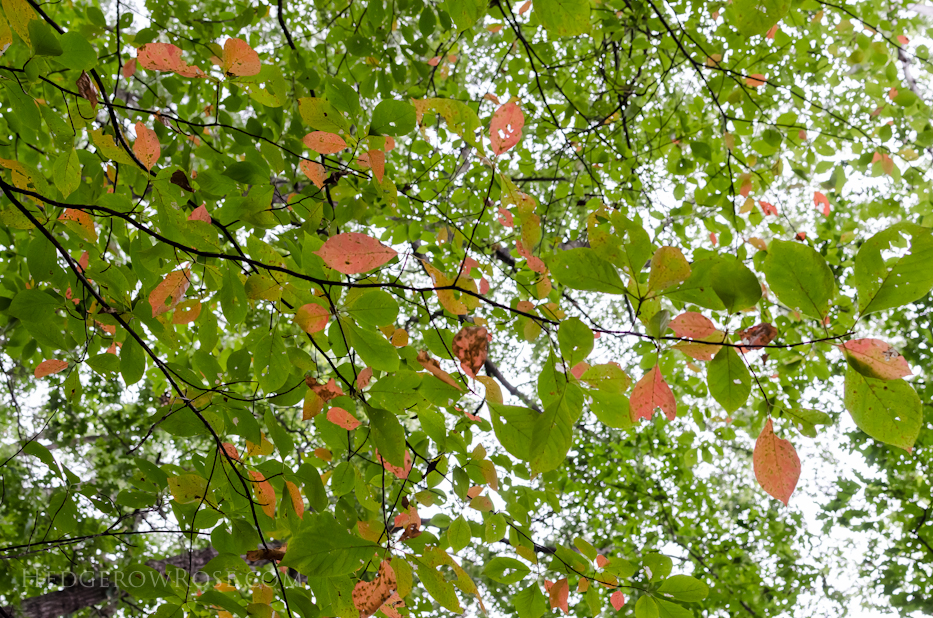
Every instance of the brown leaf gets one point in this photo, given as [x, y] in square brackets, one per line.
[179, 178]
[255, 555]
[757, 336]
[369, 596]
[470, 345]
[86, 88]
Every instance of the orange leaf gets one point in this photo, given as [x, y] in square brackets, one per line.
[200, 214]
[352, 253]
[170, 292]
[524, 7]
[265, 494]
[617, 599]
[903, 40]
[819, 198]
[777, 466]
[558, 594]
[370, 596]
[311, 318]
[362, 380]
[399, 472]
[314, 171]
[375, 159]
[874, 357]
[240, 59]
[187, 312]
[770, 35]
[470, 345]
[436, 60]
[85, 224]
[601, 561]
[166, 57]
[231, 451]
[297, 501]
[129, 69]
[755, 80]
[505, 130]
[342, 418]
[323, 142]
[697, 350]
[692, 324]
[652, 392]
[48, 367]
[325, 391]
[146, 147]
[767, 208]
[435, 368]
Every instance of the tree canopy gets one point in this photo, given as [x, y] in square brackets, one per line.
[413, 308]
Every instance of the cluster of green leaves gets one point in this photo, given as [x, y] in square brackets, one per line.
[270, 250]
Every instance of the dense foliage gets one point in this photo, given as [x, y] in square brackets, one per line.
[341, 309]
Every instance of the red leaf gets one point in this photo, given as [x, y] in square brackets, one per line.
[166, 57]
[146, 147]
[819, 198]
[652, 392]
[170, 292]
[342, 418]
[353, 253]
[240, 59]
[876, 358]
[314, 171]
[362, 380]
[617, 599]
[129, 69]
[200, 214]
[265, 494]
[48, 367]
[692, 324]
[558, 594]
[470, 345]
[311, 318]
[505, 130]
[777, 466]
[323, 142]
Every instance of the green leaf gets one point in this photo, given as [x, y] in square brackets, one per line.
[247, 173]
[888, 411]
[728, 379]
[373, 347]
[270, 363]
[146, 583]
[132, 361]
[893, 268]
[564, 17]
[393, 118]
[552, 436]
[189, 488]
[734, 284]
[233, 299]
[684, 588]
[799, 277]
[319, 114]
[582, 269]
[343, 97]
[666, 609]
[388, 435]
[659, 566]
[506, 570]
[514, 427]
[371, 307]
[45, 456]
[668, 267]
[465, 13]
[45, 41]
[77, 52]
[530, 602]
[439, 588]
[458, 534]
[324, 548]
[575, 340]
[753, 17]
[646, 607]
[698, 288]
[66, 173]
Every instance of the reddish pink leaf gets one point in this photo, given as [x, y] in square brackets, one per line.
[505, 217]
[436, 60]
[129, 69]
[470, 345]
[767, 208]
[240, 59]
[311, 318]
[200, 214]
[314, 171]
[265, 494]
[169, 293]
[617, 599]
[579, 369]
[692, 324]
[231, 451]
[819, 198]
[601, 561]
[903, 40]
[558, 594]
[712, 238]
[48, 367]
[652, 392]
[755, 80]
[166, 57]
[505, 130]
[146, 147]
[534, 263]
[777, 466]
[370, 596]
[362, 380]
[342, 418]
[876, 358]
[295, 494]
[352, 253]
[83, 261]
[323, 142]
[325, 391]
[402, 472]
